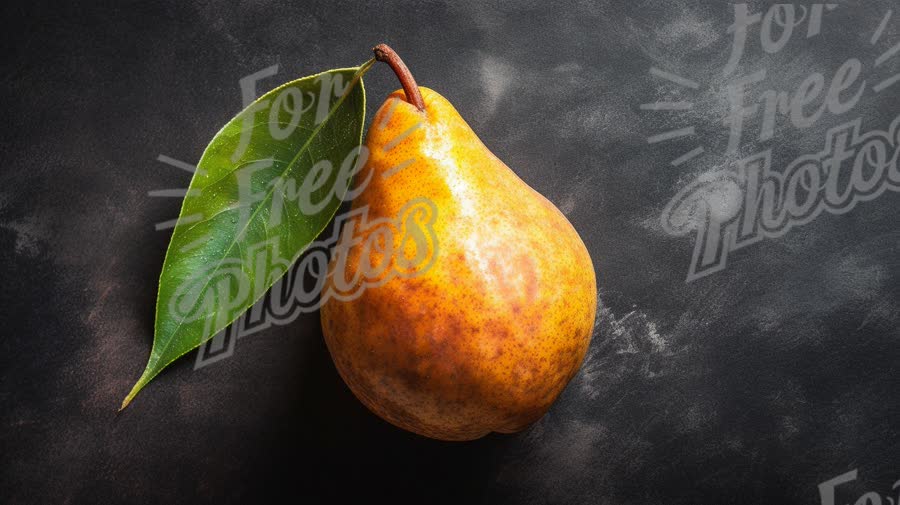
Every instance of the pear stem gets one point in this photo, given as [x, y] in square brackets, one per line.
[387, 55]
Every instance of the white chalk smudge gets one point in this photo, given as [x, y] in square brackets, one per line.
[621, 347]
[689, 30]
[496, 77]
[30, 235]
[567, 205]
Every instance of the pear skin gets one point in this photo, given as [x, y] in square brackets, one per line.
[488, 335]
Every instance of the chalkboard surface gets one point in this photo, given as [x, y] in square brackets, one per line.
[747, 347]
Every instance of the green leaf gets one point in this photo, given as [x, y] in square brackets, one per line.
[264, 189]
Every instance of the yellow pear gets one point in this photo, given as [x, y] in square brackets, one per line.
[486, 335]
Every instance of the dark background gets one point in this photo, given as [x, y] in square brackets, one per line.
[751, 385]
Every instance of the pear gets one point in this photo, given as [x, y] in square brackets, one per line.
[489, 334]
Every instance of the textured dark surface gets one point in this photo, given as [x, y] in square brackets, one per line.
[750, 385]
